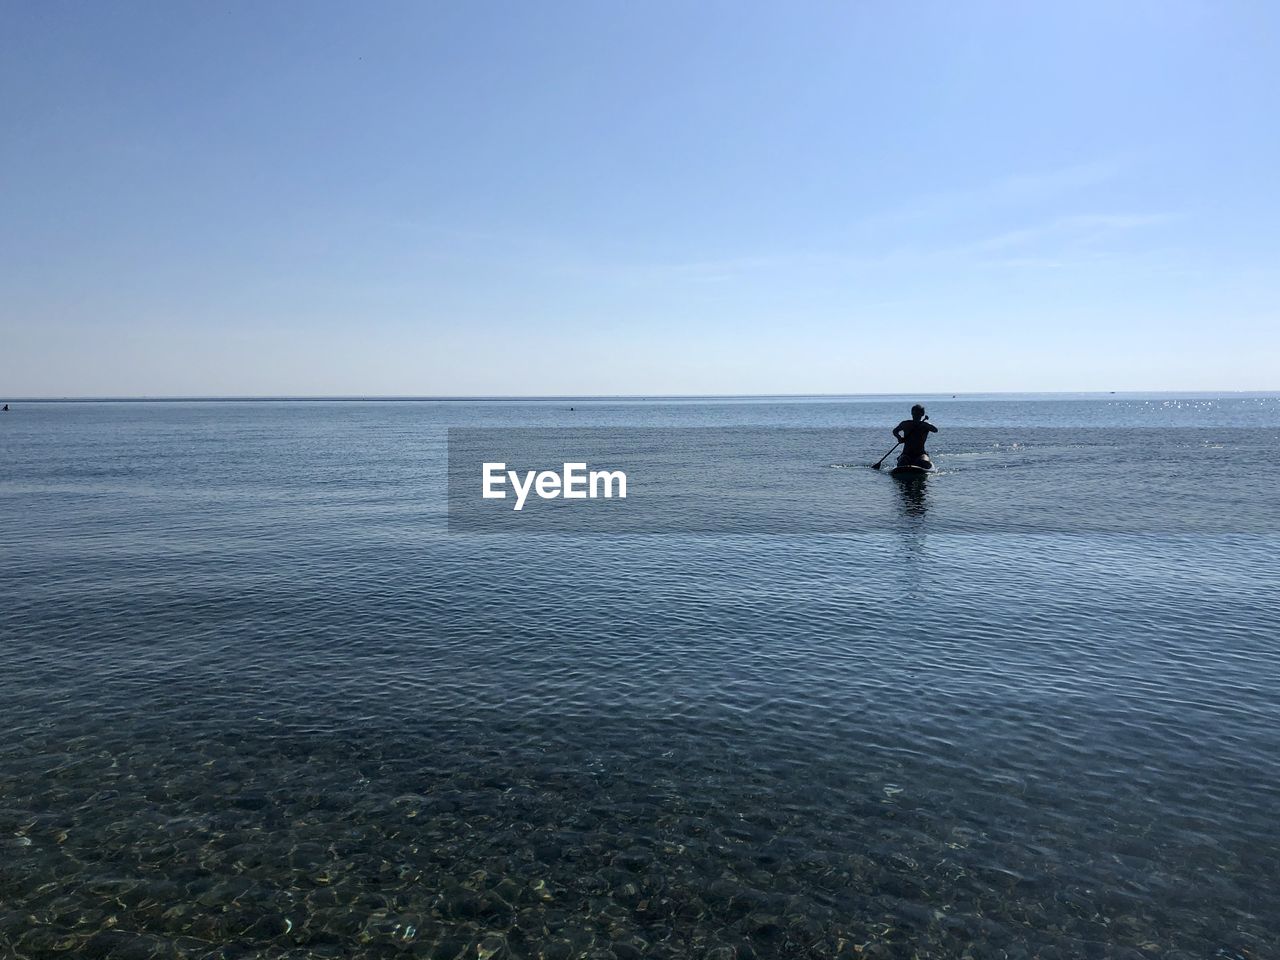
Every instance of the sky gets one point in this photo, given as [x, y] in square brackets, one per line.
[605, 197]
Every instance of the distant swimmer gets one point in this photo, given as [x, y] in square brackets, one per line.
[6, 409]
[912, 434]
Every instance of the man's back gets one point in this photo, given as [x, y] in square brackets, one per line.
[913, 434]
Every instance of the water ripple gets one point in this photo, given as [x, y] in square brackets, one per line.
[259, 704]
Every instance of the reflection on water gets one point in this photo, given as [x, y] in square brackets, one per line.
[912, 494]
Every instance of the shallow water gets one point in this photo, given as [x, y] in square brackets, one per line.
[257, 701]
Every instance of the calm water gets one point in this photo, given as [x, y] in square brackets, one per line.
[256, 701]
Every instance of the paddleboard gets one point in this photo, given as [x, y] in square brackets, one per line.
[912, 469]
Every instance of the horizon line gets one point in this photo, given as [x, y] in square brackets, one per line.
[544, 398]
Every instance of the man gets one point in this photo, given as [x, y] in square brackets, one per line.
[912, 435]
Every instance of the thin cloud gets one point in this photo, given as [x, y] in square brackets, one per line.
[1076, 231]
[999, 193]
[899, 237]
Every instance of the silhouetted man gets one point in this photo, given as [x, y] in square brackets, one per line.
[912, 434]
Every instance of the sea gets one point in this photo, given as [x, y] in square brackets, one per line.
[259, 697]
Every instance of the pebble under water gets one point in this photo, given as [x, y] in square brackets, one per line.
[256, 701]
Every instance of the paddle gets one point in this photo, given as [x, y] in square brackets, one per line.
[876, 465]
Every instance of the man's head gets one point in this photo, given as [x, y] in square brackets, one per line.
[917, 412]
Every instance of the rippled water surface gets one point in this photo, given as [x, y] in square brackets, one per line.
[256, 701]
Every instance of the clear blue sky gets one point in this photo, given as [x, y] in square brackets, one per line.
[608, 197]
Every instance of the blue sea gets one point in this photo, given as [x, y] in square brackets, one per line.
[258, 700]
